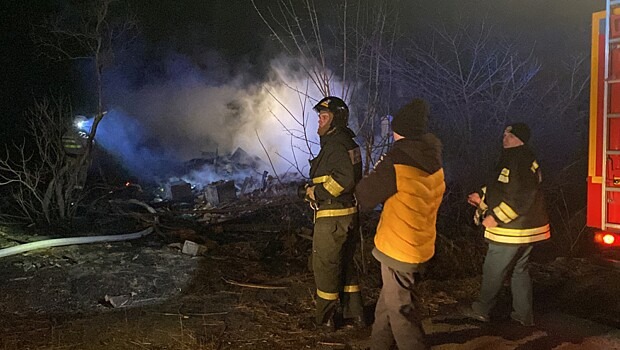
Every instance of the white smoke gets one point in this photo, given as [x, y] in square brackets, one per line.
[185, 114]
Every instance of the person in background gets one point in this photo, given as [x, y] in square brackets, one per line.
[74, 142]
[512, 211]
[409, 181]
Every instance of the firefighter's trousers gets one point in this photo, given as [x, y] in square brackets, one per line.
[500, 260]
[334, 243]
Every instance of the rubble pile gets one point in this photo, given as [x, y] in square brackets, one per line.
[216, 188]
[219, 179]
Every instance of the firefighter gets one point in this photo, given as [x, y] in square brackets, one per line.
[74, 140]
[74, 143]
[334, 173]
[514, 217]
[409, 181]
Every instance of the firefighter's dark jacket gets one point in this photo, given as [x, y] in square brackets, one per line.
[409, 180]
[335, 171]
[74, 142]
[513, 196]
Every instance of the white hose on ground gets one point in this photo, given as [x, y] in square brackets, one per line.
[56, 242]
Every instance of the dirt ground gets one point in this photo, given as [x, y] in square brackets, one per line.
[250, 288]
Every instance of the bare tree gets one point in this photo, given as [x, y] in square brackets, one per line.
[341, 54]
[44, 180]
[41, 177]
[88, 31]
[374, 37]
[475, 82]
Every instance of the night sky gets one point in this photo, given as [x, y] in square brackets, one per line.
[228, 38]
[230, 27]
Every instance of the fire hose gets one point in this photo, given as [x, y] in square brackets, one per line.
[57, 242]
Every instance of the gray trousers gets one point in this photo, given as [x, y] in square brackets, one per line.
[499, 260]
[397, 316]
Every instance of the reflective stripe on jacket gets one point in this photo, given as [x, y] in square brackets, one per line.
[334, 172]
[514, 198]
[73, 143]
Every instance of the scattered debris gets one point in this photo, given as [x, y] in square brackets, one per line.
[220, 192]
[334, 345]
[119, 300]
[190, 248]
[181, 191]
[252, 285]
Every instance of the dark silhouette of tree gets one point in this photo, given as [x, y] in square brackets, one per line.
[44, 182]
[343, 50]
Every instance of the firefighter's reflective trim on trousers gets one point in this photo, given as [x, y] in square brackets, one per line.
[335, 212]
[326, 295]
[330, 185]
[354, 288]
[505, 213]
[517, 236]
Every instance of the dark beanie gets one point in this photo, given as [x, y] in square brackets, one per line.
[520, 130]
[412, 119]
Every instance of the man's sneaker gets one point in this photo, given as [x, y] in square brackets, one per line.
[468, 312]
[514, 317]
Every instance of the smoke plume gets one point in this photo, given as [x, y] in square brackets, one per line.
[188, 111]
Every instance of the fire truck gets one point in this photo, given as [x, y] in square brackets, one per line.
[603, 207]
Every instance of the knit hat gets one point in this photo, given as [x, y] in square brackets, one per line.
[520, 130]
[412, 119]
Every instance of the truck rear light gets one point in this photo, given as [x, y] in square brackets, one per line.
[607, 239]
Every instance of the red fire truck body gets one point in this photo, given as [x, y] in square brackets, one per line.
[603, 207]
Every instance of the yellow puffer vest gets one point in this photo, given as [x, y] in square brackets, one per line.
[406, 231]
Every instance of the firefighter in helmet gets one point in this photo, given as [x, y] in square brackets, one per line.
[74, 140]
[74, 143]
[334, 173]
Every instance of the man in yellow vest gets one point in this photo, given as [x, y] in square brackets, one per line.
[409, 181]
[514, 216]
